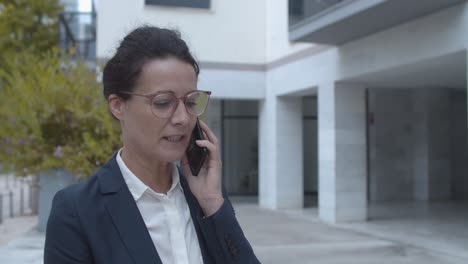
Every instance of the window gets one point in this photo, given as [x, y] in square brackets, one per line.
[180, 3]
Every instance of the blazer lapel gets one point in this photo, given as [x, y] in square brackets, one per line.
[195, 212]
[125, 215]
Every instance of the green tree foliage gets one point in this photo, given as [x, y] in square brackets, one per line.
[28, 24]
[55, 117]
[52, 112]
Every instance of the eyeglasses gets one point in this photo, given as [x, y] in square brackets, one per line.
[164, 104]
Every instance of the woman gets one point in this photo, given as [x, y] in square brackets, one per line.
[140, 207]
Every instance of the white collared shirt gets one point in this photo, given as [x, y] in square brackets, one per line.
[167, 218]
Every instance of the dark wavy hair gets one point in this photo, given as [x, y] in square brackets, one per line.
[140, 46]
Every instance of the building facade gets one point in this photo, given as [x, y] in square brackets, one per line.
[337, 104]
[77, 28]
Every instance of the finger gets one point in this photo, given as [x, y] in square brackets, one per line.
[210, 135]
[212, 149]
[207, 144]
[188, 172]
[204, 135]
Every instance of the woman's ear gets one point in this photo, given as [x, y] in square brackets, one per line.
[116, 106]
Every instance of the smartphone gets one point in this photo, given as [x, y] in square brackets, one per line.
[196, 155]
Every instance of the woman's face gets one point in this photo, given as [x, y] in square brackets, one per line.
[163, 139]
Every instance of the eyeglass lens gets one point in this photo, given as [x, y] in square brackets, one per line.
[163, 105]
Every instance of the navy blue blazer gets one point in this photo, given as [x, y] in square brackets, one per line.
[97, 221]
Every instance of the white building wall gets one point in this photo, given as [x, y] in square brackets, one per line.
[432, 144]
[281, 150]
[410, 144]
[277, 32]
[268, 189]
[230, 31]
[242, 31]
[342, 152]
[261, 35]
[428, 37]
[418, 40]
[305, 74]
[255, 33]
[233, 84]
[391, 145]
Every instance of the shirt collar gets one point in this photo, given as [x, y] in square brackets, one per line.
[138, 188]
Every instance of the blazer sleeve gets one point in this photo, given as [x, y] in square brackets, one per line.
[65, 242]
[225, 237]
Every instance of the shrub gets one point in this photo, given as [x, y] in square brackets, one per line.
[27, 25]
[53, 115]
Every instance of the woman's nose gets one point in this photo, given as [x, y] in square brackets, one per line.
[181, 115]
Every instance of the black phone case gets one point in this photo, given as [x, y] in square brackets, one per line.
[196, 155]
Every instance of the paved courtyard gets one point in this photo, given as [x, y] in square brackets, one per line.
[297, 236]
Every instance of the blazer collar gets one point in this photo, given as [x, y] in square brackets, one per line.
[125, 215]
[127, 218]
[196, 213]
[110, 177]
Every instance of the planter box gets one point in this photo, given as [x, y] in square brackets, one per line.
[49, 184]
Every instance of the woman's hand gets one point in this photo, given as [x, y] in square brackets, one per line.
[206, 187]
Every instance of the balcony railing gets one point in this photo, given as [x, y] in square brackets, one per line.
[78, 30]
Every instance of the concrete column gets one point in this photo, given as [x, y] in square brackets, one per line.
[280, 153]
[432, 161]
[342, 153]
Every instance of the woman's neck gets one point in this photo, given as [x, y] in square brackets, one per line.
[155, 174]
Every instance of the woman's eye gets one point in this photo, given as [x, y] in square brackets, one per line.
[191, 104]
[161, 104]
